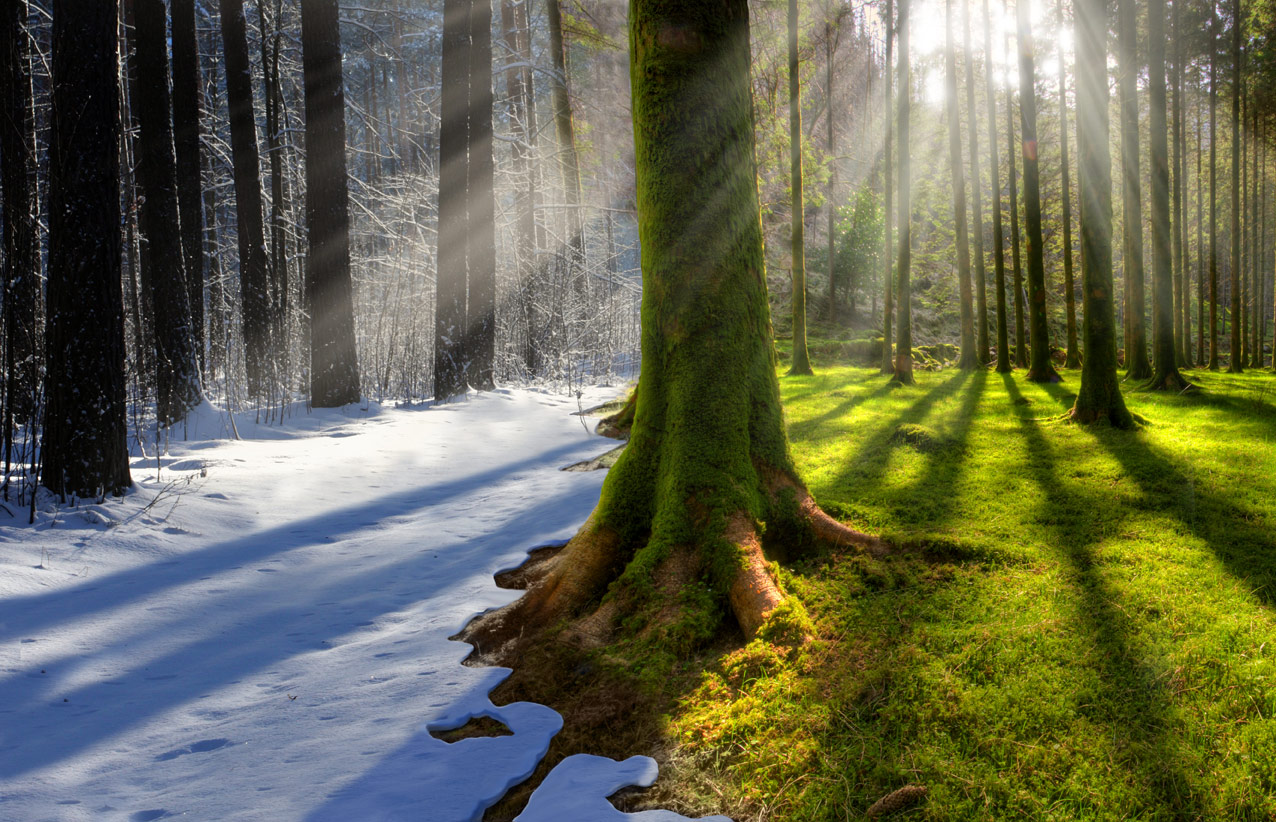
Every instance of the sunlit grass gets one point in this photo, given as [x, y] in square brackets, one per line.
[1082, 628]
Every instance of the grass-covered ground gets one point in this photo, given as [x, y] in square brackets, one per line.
[1082, 628]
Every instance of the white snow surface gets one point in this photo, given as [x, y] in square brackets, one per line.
[261, 630]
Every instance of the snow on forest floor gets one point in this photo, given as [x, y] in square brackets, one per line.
[260, 631]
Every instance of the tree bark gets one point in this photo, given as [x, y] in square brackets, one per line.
[480, 306]
[976, 201]
[568, 161]
[888, 184]
[187, 96]
[1073, 357]
[1021, 347]
[1136, 357]
[968, 357]
[1182, 281]
[904, 309]
[1099, 397]
[1213, 46]
[334, 368]
[801, 362]
[450, 283]
[1004, 365]
[84, 449]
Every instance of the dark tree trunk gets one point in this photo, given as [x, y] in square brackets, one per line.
[904, 309]
[480, 311]
[568, 162]
[1164, 352]
[517, 78]
[253, 284]
[976, 201]
[1235, 366]
[1182, 317]
[177, 368]
[1136, 356]
[1213, 46]
[1099, 397]
[84, 450]
[801, 363]
[21, 238]
[1004, 365]
[187, 95]
[968, 358]
[449, 311]
[888, 186]
[1041, 370]
[1073, 358]
[334, 367]
[1021, 347]
[278, 261]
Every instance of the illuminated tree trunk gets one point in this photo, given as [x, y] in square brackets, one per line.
[1213, 46]
[1073, 358]
[1021, 347]
[707, 461]
[1182, 282]
[801, 361]
[1041, 370]
[976, 201]
[888, 255]
[84, 449]
[480, 306]
[1136, 356]
[1099, 397]
[1234, 364]
[1004, 365]
[904, 311]
[449, 305]
[968, 357]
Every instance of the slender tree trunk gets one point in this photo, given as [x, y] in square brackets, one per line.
[801, 363]
[1213, 46]
[1136, 355]
[84, 449]
[1256, 240]
[1164, 352]
[1099, 397]
[449, 310]
[1235, 366]
[998, 235]
[187, 95]
[480, 309]
[976, 200]
[968, 357]
[1073, 358]
[568, 162]
[904, 318]
[888, 255]
[253, 280]
[177, 367]
[278, 260]
[1182, 281]
[1042, 369]
[1200, 246]
[1021, 347]
[334, 367]
[830, 199]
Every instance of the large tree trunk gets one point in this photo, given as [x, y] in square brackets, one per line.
[1136, 354]
[888, 186]
[801, 363]
[449, 306]
[21, 250]
[1021, 343]
[1073, 358]
[177, 368]
[968, 358]
[904, 308]
[334, 368]
[1004, 365]
[84, 448]
[1099, 397]
[187, 95]
[976, 200]
[253, 285]
[707, 461]
[1164, 351]
[480, 306]
[1234, 364]
[1041, 369]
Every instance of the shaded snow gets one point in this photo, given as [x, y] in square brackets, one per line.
[260, 630]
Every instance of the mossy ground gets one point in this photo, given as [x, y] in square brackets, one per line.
[1082, 626]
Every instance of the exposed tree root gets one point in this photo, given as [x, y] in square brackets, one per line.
[617, 425]
[1171, 381]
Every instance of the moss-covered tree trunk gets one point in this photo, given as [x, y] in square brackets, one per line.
[904, 312]
[998, 232]
[976, 200]
[676, 536]
[1136, 353]
[1073, 357]
[1166, 376]
[1041, 369]
[801, 363]
[1235, 355]
[1099, 397]
[888, 188]
[967, 358]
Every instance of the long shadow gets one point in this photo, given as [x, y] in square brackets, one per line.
[24, 615]
[242, 634]
[1136, 708]
[806, 427]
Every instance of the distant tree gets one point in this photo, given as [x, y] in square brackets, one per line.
[449, 307]
[904, 319]
[1004, 365]
[187, 96]
[334, 368]
[1136, 356]
[1213, 47]
[177, 367]
[1021, 343]
[1182, 280]
[968, 357]
[84, 450]
[888, 257]
[801, 363]
[565, 127]
[1099, 397]
[1042, 369]
[1164, 352]
[976, 199]
[1073, 358]
[1235, 357]
[708, 458]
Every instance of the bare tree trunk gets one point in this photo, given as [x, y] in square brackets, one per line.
[1021, 347]
[187, 95]
[1136, 355]
[1073, 357]
[888, 257]
[801, 363]
[998, 234]
[976, 200]
[968, 357]
[904, 318]
[1235, 366]
[568, 162]
[480, 307]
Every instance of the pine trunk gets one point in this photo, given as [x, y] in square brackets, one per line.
[904, 313]
[1136, 354]
[976, 201]
[480, 306]
[1004, 365]
[968, 357]
[801, 363]
[1073, 357]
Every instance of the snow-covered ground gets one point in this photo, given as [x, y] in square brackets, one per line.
[260, 630]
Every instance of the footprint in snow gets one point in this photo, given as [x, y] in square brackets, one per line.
[148, 816]
[203, 746]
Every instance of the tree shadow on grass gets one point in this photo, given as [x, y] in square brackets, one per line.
[804, 429]
[1135, 703]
